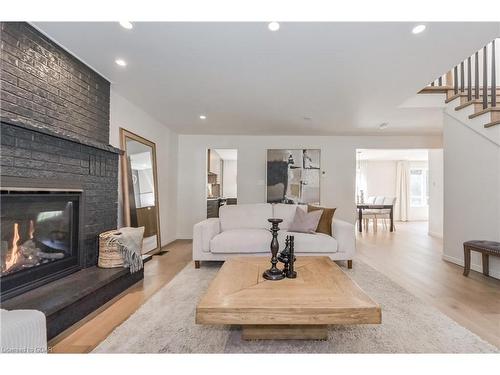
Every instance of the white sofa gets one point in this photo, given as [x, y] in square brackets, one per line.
[244, 230]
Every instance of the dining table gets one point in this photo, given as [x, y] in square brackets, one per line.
[364, 206]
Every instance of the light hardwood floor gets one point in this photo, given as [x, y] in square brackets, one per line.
[87, 334]
[412, 259]
[409, 257]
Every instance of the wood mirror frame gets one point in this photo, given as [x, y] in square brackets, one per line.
[126, 180]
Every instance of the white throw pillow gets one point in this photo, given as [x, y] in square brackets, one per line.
[305, 222]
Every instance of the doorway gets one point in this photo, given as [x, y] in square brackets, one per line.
[222, 177]
[411, 180]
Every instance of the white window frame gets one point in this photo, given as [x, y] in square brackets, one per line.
[424, 197]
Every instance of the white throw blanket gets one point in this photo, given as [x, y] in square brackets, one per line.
[129, 243]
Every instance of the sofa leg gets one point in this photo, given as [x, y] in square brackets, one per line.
[196, 264]
[349, 264]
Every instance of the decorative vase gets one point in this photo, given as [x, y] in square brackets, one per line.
[274, 273]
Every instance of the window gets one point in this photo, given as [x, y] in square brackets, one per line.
[419, 187]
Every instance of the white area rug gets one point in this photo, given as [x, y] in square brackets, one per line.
[165, 324]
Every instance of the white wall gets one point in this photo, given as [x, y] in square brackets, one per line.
[471, 192]
[436, 193]
[130, 117]
[230, 178]
[338, 156]
[381, 178]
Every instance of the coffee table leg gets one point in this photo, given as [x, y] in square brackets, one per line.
[284, 332]
[466, 261]
[360, 220]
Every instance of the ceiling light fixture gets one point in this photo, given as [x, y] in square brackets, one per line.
[418, 29]
[273, 26]
[383, 125]
[120, 62]
[126, 25]
[203, 117]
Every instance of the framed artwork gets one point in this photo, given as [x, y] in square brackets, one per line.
[293, 176]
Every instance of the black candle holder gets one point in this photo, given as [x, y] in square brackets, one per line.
[291, 274]
[274, 273]
[283, 256]
[287, 257]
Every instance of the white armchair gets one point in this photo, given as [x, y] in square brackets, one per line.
[23, 331]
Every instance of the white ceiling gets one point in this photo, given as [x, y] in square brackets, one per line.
[376, 154]
[347, 77]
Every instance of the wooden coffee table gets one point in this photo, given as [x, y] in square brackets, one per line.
[300, 308]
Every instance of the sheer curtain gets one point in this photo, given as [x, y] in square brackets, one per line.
[402, 207]
[361, 180]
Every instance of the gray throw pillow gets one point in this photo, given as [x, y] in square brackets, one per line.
[305, 222]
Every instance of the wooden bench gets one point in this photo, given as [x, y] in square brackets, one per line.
[486, 248]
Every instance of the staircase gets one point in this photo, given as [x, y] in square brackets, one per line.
[472, 94]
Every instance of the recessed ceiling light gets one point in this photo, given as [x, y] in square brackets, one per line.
[383, 125]
[418, 29]
[203, 117]
[120, 62]
[126, 25]
[273, 26]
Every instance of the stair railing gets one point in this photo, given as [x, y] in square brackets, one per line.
[465, 78]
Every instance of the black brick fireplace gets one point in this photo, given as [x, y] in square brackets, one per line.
[56, 161]
[34, 158]
[39, 238]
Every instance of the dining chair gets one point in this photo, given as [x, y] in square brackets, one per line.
[370, 214]
[384, 213]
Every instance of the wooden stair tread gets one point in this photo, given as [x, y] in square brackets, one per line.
[493, 123]
[464, 95]
[487, 110]
[435, 90]
[473, 101]
[451, 98]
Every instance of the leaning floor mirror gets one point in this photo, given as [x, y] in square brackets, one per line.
[140, 188]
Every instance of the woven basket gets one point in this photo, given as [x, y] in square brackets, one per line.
[109, 256]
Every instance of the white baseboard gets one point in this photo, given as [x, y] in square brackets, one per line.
[185, 236]
[475, 267]
[435, 234]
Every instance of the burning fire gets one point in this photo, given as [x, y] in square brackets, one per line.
[32, 229]
[14, 254]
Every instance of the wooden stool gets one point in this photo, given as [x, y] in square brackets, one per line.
[486, 248]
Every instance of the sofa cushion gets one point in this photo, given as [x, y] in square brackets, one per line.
[241, 241]
[325, 222]
[286, 212]
[245, 216]
[310, 243]
[305, 222]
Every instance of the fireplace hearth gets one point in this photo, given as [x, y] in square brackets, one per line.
[39, 238]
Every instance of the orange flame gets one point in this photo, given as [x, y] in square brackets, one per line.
[32, 229]
[14, 254]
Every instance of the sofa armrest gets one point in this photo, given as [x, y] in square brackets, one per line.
[23, 331]
[344, 233]
[203, 232]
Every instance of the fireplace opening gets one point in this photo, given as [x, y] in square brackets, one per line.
[39, 238]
